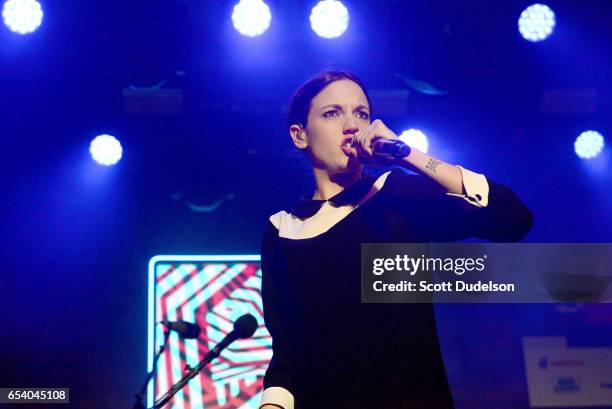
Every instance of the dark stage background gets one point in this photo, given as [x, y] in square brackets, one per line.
[76, 237]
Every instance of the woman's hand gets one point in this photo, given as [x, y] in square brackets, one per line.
[448, 176]
[361, 147]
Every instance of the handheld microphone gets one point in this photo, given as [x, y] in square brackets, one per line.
[185, 330]
[390, 148]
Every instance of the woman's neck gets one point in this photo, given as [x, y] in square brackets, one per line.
[328, 186]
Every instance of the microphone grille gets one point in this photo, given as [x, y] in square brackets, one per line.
[245, 326]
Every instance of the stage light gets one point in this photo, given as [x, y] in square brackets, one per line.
[589, 144]
[251, 17]
[106, 150]
[536, 22]
[415, 139]
[22, 16]
[329, 18]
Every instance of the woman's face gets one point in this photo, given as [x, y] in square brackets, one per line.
[339, 111]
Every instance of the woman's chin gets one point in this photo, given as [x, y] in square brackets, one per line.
[350, 165]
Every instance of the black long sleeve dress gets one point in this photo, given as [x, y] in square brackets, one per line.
[332, 351]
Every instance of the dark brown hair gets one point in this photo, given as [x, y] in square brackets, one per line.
[299, 106]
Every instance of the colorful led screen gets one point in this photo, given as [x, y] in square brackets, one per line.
[212, 292]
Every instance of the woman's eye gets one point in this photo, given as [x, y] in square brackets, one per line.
[331, 113]
[363, 115]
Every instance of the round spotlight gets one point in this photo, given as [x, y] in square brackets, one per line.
[106, 150]
[589, 144]
[251, 17]
[22, 16]
[536, 22]
[415, 139]
[329, 19]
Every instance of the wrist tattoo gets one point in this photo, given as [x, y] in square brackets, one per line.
[432, 164]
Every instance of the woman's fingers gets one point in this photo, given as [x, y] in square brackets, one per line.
[363, 139]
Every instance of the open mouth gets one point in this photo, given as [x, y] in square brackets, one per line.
[348, 142]
[347, 149]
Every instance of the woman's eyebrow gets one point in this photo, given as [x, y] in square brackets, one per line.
[338, 106]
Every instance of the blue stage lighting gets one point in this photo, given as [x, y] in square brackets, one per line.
[22, 16]
[329, 18]
[106, 150]
[589, 144]
[251, 17]
[536, 22]
[415, 139]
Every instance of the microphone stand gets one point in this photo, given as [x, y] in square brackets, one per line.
[192, 372]
[139, 396]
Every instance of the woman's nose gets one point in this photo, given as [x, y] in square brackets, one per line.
[351, 125]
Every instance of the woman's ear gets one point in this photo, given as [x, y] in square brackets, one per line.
[298, 136]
